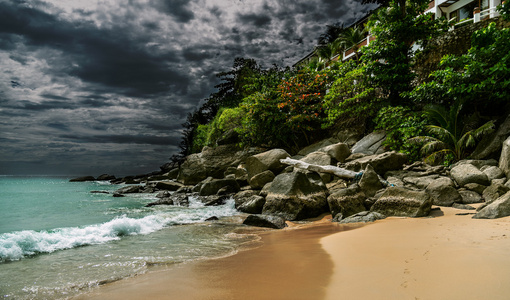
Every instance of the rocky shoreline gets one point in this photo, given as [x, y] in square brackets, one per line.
[356, 181]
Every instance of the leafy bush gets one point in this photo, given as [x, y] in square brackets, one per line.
[480, 78]
[401, 124]
[350, 97]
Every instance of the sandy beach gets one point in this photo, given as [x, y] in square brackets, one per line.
[444, 256]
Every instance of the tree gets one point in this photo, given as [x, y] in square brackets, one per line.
[389, 58]
[480, 78]
[450, 135]
[350, 39]
[331, 34]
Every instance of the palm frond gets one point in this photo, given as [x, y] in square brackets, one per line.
[435, 156]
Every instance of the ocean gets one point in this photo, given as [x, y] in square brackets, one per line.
[58, 240]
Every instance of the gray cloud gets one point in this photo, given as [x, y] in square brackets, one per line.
[111, 83]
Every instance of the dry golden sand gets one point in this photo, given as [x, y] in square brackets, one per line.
[445, 256]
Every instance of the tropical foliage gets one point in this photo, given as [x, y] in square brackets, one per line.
[450, 136]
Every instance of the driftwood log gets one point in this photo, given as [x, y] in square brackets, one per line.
[342, 173]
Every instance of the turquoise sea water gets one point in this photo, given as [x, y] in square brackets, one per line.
[57, 239]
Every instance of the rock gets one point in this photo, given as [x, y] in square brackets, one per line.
[402, 202]
[316, 146]
[490, 145]
[350, 135]
[395, 181]
[420, 182]
[258, 181]
[214, 200]
[463, 206]
[265, 189]
[504, 159]
[498, 209]
[212, 162]
[368, 143]
[213, 218]
[82, 179]
[475, 187]
[243, 196]
[339, 152]
[168, 185]
[163, 194]
[269, 160]
[380, 162]
[99, 192]
[494, 191]
[355, 156]
[363, 217]
[479, 163]
[253, 205]
[129, 189]
[118, 195]
[162, 201]
[265, 221]
[185, 190]
[105, 177]
[177, 200]
[228, 138]
[470, 197]
[467, 173]
[321, 159]
[499, 181]
[192, 171]
[337, 185]
[443, 194]
[295, 197]
[492, 172]
[369, 182]
[173, 173]
[347, 202]
[212, 187]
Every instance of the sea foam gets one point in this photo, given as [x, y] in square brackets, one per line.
[19, 244]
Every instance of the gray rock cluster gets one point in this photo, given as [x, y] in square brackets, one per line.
[272, 192]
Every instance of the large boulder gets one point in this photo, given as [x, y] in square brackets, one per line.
[243, 196]
[212, 162]
[82, 179]
[494, 191]
[498, 209]
[346, 202]
[131, 189]
[369, 182]
[443, 193]
[168, 185]
[252, 205]
[258, 181]
[470, 197]
[317, 146]
[269, 160]
[490, 145]
[504, 159]
[402, 202]
[265, 221]
[106, 177]
[492, 172]
[363, 217]
[468, 173]
[294, 196]
[370, 143]
[381, 162]
[420, 182]
[321, 159]
[212, 187]
[339, 151]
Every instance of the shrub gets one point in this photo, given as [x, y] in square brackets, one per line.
[401, 124]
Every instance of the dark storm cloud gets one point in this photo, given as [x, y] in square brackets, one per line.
[176, 8]
[105, 85]
[124, 139]
[110, 57]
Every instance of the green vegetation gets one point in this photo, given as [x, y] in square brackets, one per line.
[291, 108]
[450, 136]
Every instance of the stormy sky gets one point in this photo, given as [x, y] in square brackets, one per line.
[102, 86]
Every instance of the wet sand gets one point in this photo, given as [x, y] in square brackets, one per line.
[289, 264]
[445, 256]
